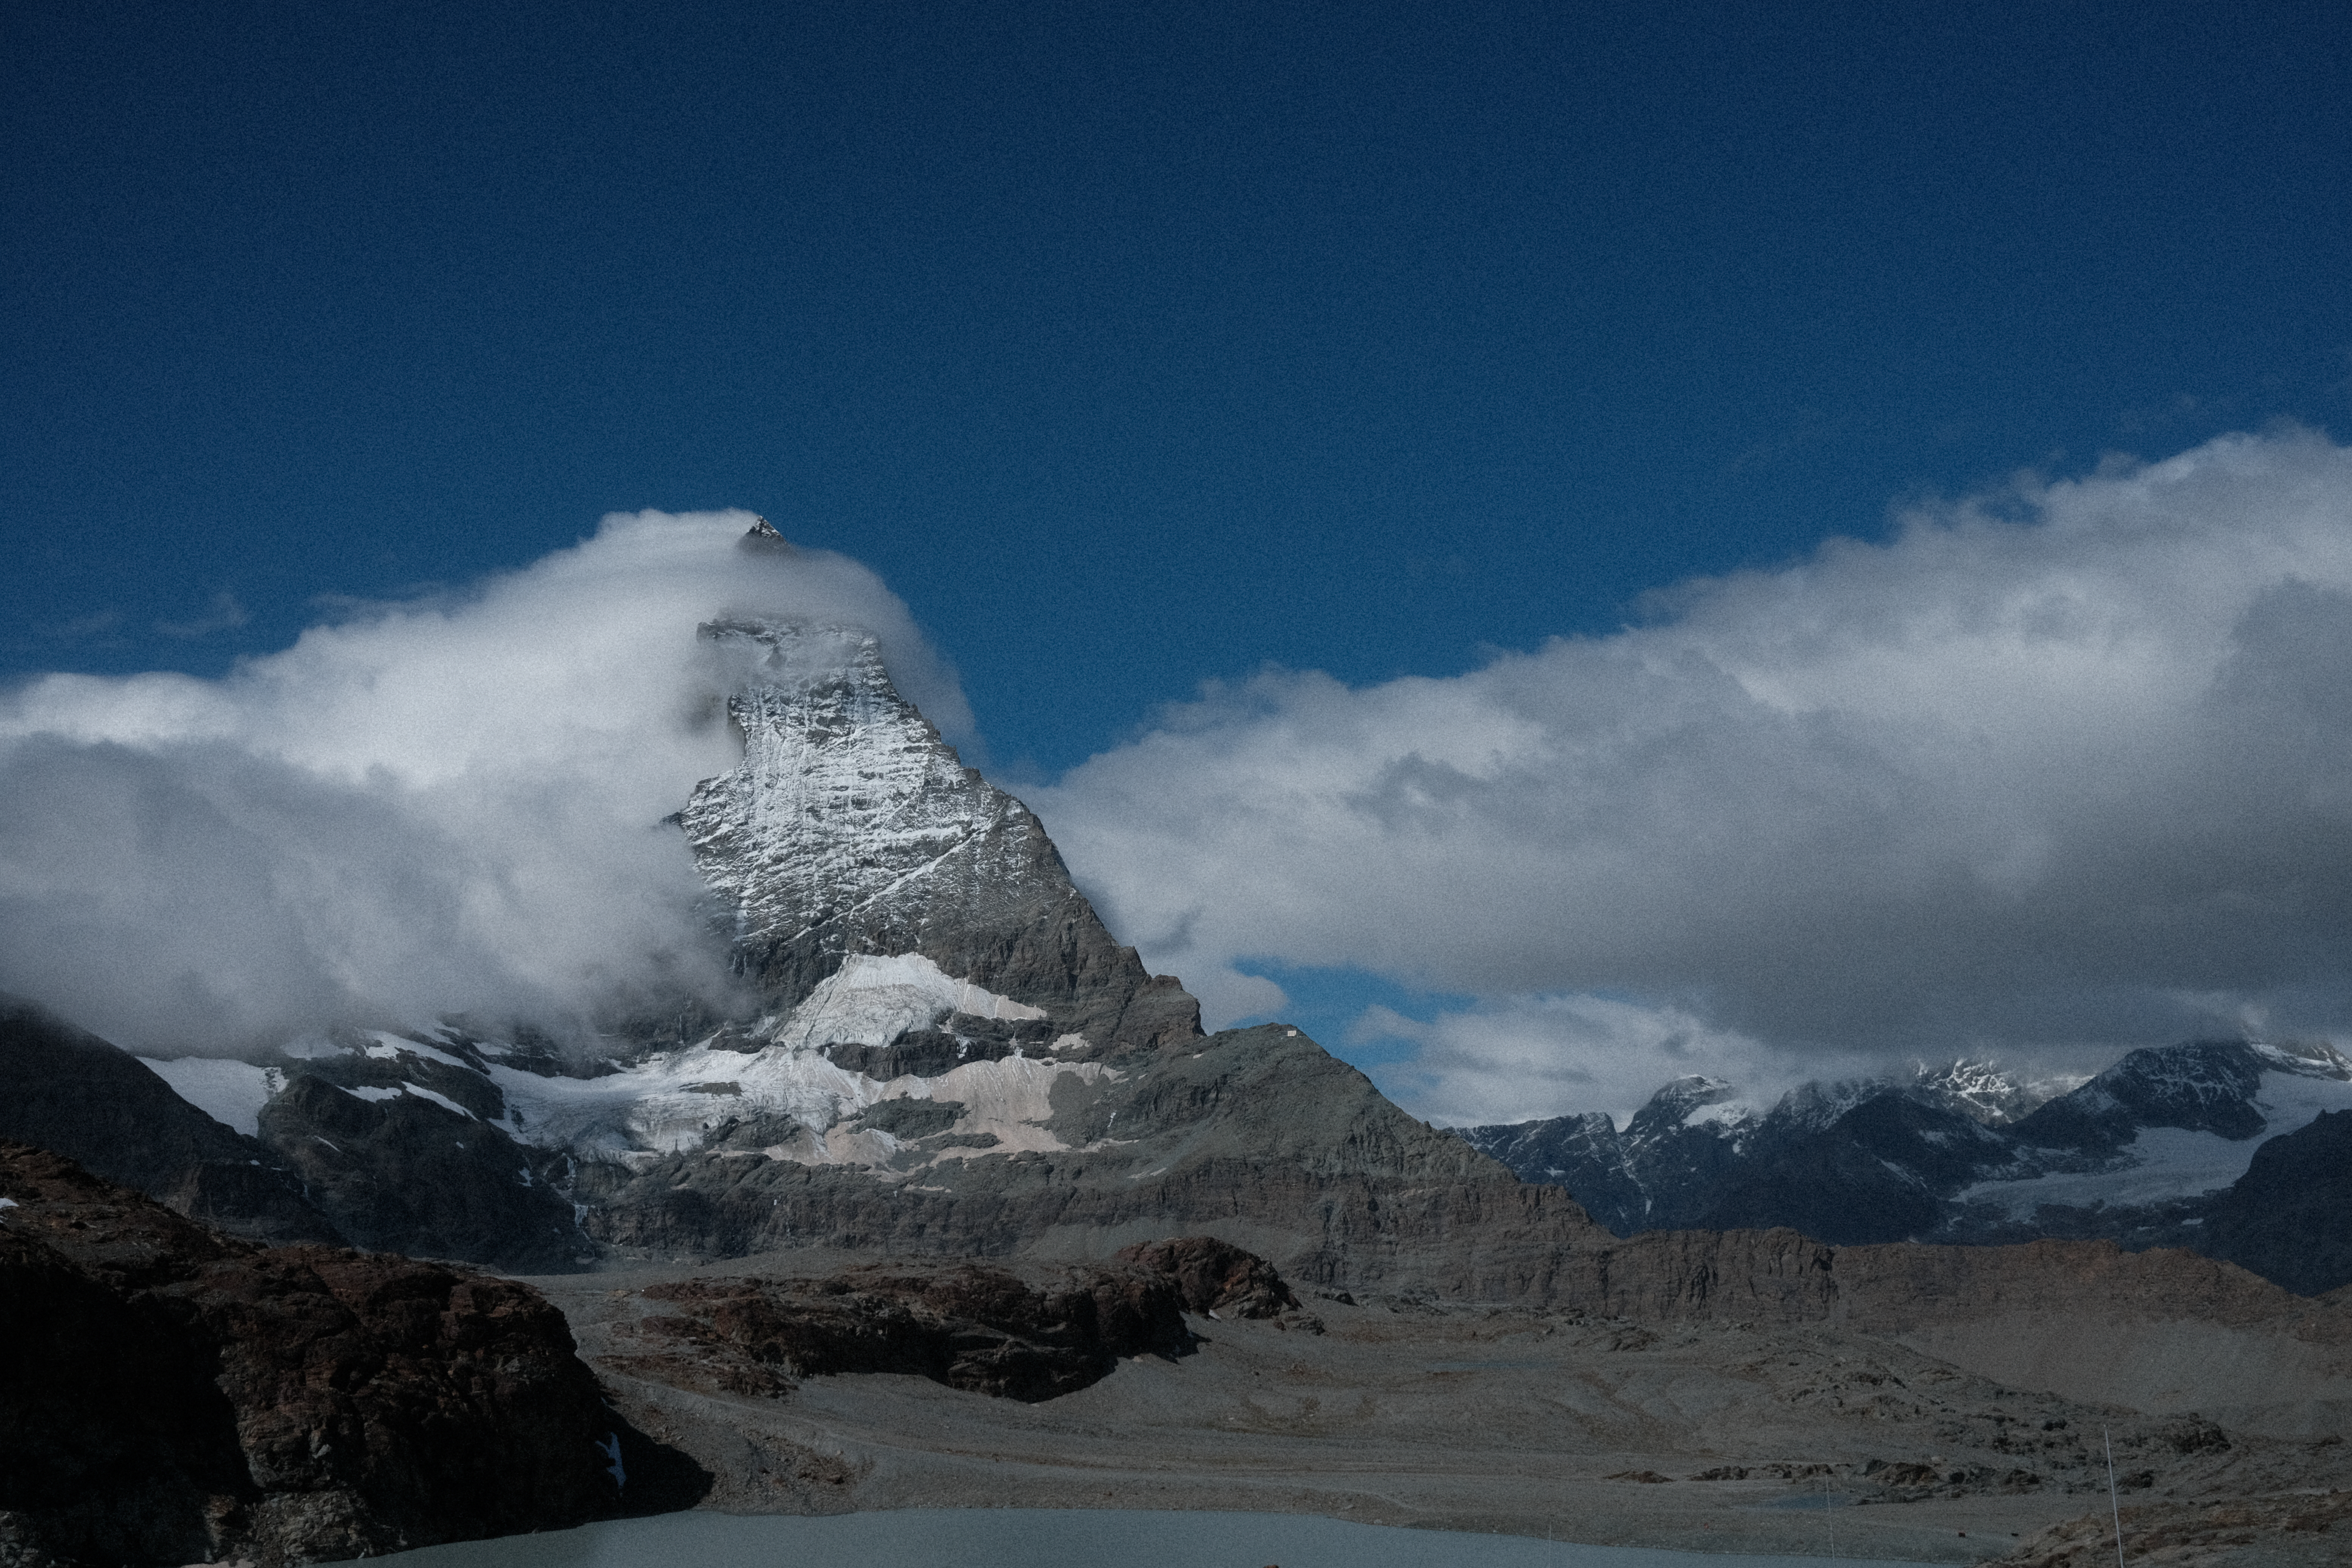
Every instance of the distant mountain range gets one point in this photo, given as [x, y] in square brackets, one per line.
[2236, 1149]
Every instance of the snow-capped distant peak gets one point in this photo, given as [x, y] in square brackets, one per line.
[1985, 1092]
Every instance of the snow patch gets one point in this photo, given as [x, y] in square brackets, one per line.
[393, 1046]
[371, 1092]
[659, 1106]
[871, 1000]
[2164, 1163]
[231, 1092]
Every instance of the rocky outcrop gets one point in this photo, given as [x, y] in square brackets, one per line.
[984, 1328]
[1215, 1277]
[175, 1394]
[65, 1089]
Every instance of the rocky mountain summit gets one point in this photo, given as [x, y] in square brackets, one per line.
[853, 830]
[2152, 1151]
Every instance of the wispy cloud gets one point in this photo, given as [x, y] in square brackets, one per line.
[2056, 770]
[223, 615]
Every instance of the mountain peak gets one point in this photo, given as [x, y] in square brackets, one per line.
[852, 829]
[1982, 1092]
[762, 539]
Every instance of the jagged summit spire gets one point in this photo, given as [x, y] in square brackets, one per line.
[852, 829]
[762, 539]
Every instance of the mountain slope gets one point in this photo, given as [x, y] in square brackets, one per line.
[64, 1089]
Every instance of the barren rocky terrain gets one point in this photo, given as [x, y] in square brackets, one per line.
[1727, 1436]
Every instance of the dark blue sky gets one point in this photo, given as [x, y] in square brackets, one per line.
[1133, 345]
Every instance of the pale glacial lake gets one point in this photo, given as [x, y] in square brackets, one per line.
[1049, 1537]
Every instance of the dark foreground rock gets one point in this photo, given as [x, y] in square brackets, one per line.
[173, 1394]
[2289, 1217]
[1215, 1277]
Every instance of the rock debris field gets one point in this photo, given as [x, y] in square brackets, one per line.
[1717, 1437]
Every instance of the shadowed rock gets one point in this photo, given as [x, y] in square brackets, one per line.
[65, 1089]
[175, 1394]
[978, 1327]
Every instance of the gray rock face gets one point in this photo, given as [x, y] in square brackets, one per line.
[852, 828]
[1257, 1133]
[406, 1174]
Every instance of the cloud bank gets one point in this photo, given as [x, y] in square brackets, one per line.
[2050, 773]
[451, 804]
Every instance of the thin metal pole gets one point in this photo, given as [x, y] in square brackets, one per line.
[2113, 1507]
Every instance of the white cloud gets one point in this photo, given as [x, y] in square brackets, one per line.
[1525, 1056]
[447, 804]
[2048, 772]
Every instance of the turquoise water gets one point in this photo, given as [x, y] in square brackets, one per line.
[1049, 1537]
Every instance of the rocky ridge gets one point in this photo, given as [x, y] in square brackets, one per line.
[64, 1089]
[2148, 1153]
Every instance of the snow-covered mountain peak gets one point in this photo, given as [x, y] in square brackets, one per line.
[851, 829]
[848, 811]
[1692, 1101]
[762, 539]
[1818, 1105]
[1982, 1091]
